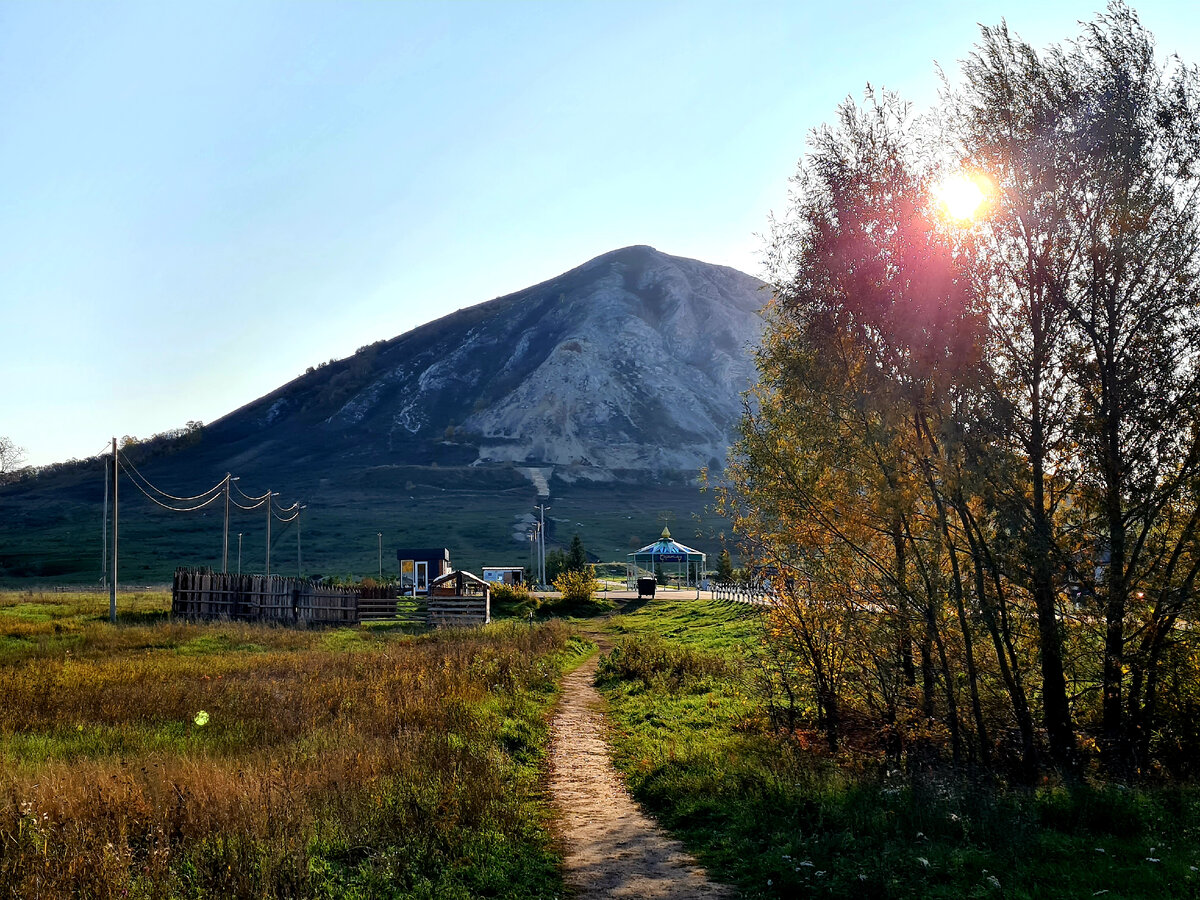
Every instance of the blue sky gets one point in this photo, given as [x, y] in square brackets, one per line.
[198, 201]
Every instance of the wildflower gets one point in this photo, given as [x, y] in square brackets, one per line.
[1151, 859]
[862, 876]
[1099, 849]
[819, 872]
[770, 882]
[807, 862]
[201, 719]
[923, 861]
[994, 881]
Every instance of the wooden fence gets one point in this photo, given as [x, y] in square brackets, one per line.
[260, 598]
[381, 604]
[197, 594]
[459, 611]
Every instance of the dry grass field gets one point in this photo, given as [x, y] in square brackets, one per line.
[157, 759]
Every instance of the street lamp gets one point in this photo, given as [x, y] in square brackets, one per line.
[379, 534]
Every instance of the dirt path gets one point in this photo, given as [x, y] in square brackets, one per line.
[612, 849]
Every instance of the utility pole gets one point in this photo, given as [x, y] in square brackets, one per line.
[270, 504]
[299, 554]
[225, 546]
[379, 534]
[239, 553]
[533, 553]
[112, 587]
[104, 532]
[534, 536]
[542, 542]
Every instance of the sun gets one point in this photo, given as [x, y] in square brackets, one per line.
[962, 196]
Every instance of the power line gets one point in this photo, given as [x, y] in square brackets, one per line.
[275, 511]
[158, 502]
[248, 497]
[255, 506]
[128, 466]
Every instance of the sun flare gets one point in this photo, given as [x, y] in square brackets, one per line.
[962, 196]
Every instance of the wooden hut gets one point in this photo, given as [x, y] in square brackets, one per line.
[459, 598]
[421, 565]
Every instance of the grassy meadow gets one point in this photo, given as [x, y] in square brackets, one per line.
[171, 760]
[779, 818]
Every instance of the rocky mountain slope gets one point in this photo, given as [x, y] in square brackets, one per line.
[628, 365]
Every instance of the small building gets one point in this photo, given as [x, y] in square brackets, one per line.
[420, 567]
[510, 575]
[674, 560]
[459, 598]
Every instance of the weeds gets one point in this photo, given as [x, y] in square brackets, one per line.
[652, 660]
[328, 764]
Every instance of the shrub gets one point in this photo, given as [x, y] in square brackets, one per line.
[513, 600]
[576, 586]
[651, 659]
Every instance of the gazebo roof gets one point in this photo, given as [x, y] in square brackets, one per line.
[666, 546]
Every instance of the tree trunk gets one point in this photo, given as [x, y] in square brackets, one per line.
[1056, 708]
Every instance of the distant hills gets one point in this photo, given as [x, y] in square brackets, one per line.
[615, 381]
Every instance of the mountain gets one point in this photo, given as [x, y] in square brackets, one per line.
[605, 389]
[630, 364]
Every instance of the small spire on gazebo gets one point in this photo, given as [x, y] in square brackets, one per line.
[666, 535]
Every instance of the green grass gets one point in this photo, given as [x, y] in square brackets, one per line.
[778, 820]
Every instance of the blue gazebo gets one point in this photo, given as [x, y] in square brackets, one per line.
[670, 557]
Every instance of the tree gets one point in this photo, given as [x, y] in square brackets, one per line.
[11, 457]
[577, 560]
[556, 564]
[724, 572]
[955, 427]
[1096, 153]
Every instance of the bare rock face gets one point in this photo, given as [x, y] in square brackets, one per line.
[640, 368]
[632, 364]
